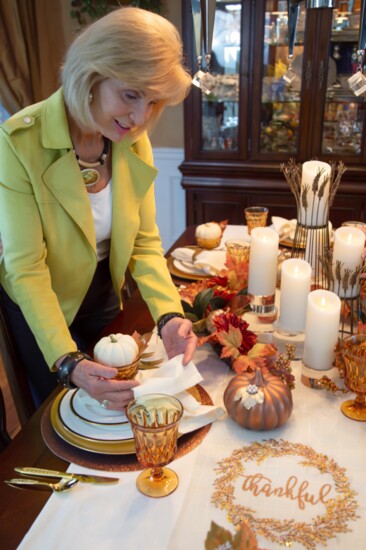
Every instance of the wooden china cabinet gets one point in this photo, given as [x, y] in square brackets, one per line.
[237, 136]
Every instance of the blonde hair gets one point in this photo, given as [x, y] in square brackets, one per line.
[138, 47]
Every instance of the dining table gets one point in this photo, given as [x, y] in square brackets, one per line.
[299, 485]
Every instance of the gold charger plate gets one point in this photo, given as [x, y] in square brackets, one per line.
[118, 447]
[288, 243]
[126, 446]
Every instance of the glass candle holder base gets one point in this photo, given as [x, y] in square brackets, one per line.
[157, 486]
[263, 305]
[311, 377]
[282, 337]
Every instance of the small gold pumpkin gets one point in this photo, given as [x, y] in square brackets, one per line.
[258, 400]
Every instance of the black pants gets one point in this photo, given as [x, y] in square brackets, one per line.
[100, 306]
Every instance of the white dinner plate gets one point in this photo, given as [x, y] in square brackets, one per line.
[90, 410]
[114, 432]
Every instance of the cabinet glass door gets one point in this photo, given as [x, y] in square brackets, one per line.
[220, 109]
[280, 97]
[344, 111]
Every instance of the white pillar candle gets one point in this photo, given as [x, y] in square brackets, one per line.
[315, 245]
[321, 329]
[263, 259]
[315, 212]
[295, 287]
[349, 243]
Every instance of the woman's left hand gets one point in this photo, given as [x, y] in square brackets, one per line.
[178, 337]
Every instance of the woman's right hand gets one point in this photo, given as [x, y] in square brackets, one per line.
[98, 381]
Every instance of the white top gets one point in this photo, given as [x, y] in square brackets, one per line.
[101, 204]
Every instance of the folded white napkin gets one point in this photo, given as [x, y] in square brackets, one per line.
[173, 379]
[284, 228]
[209, 261]
[196, 415]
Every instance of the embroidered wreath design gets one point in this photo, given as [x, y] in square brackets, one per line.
[338, 511]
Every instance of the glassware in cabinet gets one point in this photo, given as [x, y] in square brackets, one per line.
[344, 112]
[220, 108]
[281, 81]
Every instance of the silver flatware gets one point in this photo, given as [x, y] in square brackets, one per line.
[59, 487]
[84, 478]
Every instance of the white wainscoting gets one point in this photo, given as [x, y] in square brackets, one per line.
[169, 194]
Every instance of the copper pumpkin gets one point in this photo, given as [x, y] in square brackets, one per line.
[268, 400]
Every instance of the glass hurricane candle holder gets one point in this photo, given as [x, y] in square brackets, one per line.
[354, 355]
[154, 421]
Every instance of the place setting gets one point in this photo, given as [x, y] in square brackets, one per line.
[80, 429]
[215, 241]
[208, 256]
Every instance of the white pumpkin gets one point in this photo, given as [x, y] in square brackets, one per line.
[210, 230]
[116, 350]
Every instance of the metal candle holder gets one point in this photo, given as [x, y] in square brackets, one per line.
[339, 281]
[311, 240]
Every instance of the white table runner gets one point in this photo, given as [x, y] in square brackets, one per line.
[119, 516]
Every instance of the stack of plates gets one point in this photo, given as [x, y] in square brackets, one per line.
[82, 422]
[186, 270]
[85, 424]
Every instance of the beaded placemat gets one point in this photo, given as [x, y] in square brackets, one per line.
[114, 463]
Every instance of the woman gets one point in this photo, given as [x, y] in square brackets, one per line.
[77, 204]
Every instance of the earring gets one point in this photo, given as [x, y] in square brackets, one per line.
[90, 97]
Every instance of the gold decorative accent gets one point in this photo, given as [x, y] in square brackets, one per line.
[90, 176]
[128, 372]
[327, 383]
[338, 511]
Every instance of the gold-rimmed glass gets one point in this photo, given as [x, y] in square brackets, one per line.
[255, 216]
[237, 250]
[354, 355]
[155, 420]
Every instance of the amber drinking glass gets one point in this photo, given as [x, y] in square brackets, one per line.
[154, 420]
[255, 216]
[354, 355]
[237, 250]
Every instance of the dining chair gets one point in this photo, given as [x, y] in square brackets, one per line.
[18, 385]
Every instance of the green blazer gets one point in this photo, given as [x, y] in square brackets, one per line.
[47, 228]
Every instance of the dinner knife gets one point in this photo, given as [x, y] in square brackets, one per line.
[84, 478]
